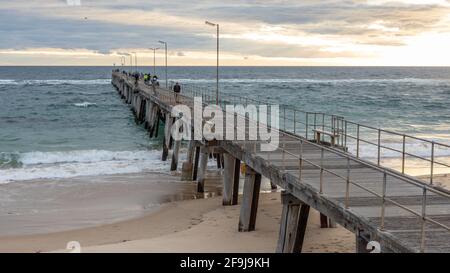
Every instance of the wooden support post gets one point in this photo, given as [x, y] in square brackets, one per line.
[219, 161]
[331, 223]
[153, 116]
[176, 150]
[171, 141]
[142, 110]
[137, 106]
[230, 180]
[158, 118]
[323, 221]
[187, 167]
[294, 220]
[237, 175]
[167, 136]
[202, 169]
[249, 207]
[196, 160]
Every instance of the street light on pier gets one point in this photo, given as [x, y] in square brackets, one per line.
[217, 72]
[165, 47]
[154, 59]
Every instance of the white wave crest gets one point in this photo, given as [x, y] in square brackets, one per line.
[323, 81]
[55, 82]
[84, 156]
[85, 104]
[49, 165]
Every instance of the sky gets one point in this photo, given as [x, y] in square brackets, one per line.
[254, 32]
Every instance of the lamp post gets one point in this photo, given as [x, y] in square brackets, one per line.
[154, 59]
[122, 61]
[217, 72]
[165, 47]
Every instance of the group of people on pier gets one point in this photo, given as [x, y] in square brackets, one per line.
[150, 80]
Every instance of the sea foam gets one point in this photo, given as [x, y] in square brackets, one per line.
[48, 165]
[55, 82]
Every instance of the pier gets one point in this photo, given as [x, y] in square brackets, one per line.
[314, 168]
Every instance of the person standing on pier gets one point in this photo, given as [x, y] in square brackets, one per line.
[176, 90]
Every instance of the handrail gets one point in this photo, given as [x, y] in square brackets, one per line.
[295, 124]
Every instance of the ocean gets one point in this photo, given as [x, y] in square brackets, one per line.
[62, 122]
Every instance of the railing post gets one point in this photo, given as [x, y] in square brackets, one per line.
[345, 134]
[357, 140]
[379, 147]
[323, 123]
[403, 154]
[347, 187]
[306, 125]
[300, 161]
[284, 155]
[432, 163]
[424, 207]
[315, 121]
[321, 170]
[295, 124]
[383, 203]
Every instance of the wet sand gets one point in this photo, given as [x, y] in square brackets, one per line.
[187, 226]
[146, 213]
[177, 224]
[33, 207]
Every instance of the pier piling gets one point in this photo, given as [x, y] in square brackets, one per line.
[294, 219]
[230, 180]
[249, 207]
[202, 169]
[187, 167]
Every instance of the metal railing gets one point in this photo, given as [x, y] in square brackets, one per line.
[380, 146]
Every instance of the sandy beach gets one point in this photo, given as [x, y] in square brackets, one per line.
[150, 213]
[177, 225]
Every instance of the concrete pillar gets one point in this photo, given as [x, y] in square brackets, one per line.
[294, 219]
[202, 169]
[196, 161]
[218, 158]
[167, 137]
[230, 180]
[237, 174]
[249, 207]
[158, 119]
[153, 118]
[187, 167]
[143, 109]
[176, 150]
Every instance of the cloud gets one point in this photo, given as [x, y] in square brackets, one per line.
[269, 29]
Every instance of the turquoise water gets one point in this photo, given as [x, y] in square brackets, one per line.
[69, 121]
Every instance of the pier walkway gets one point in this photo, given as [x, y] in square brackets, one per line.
[380, 205]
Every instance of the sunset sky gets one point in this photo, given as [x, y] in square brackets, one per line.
[269, 32]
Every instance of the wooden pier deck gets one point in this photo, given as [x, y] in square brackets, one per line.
[401, 213]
